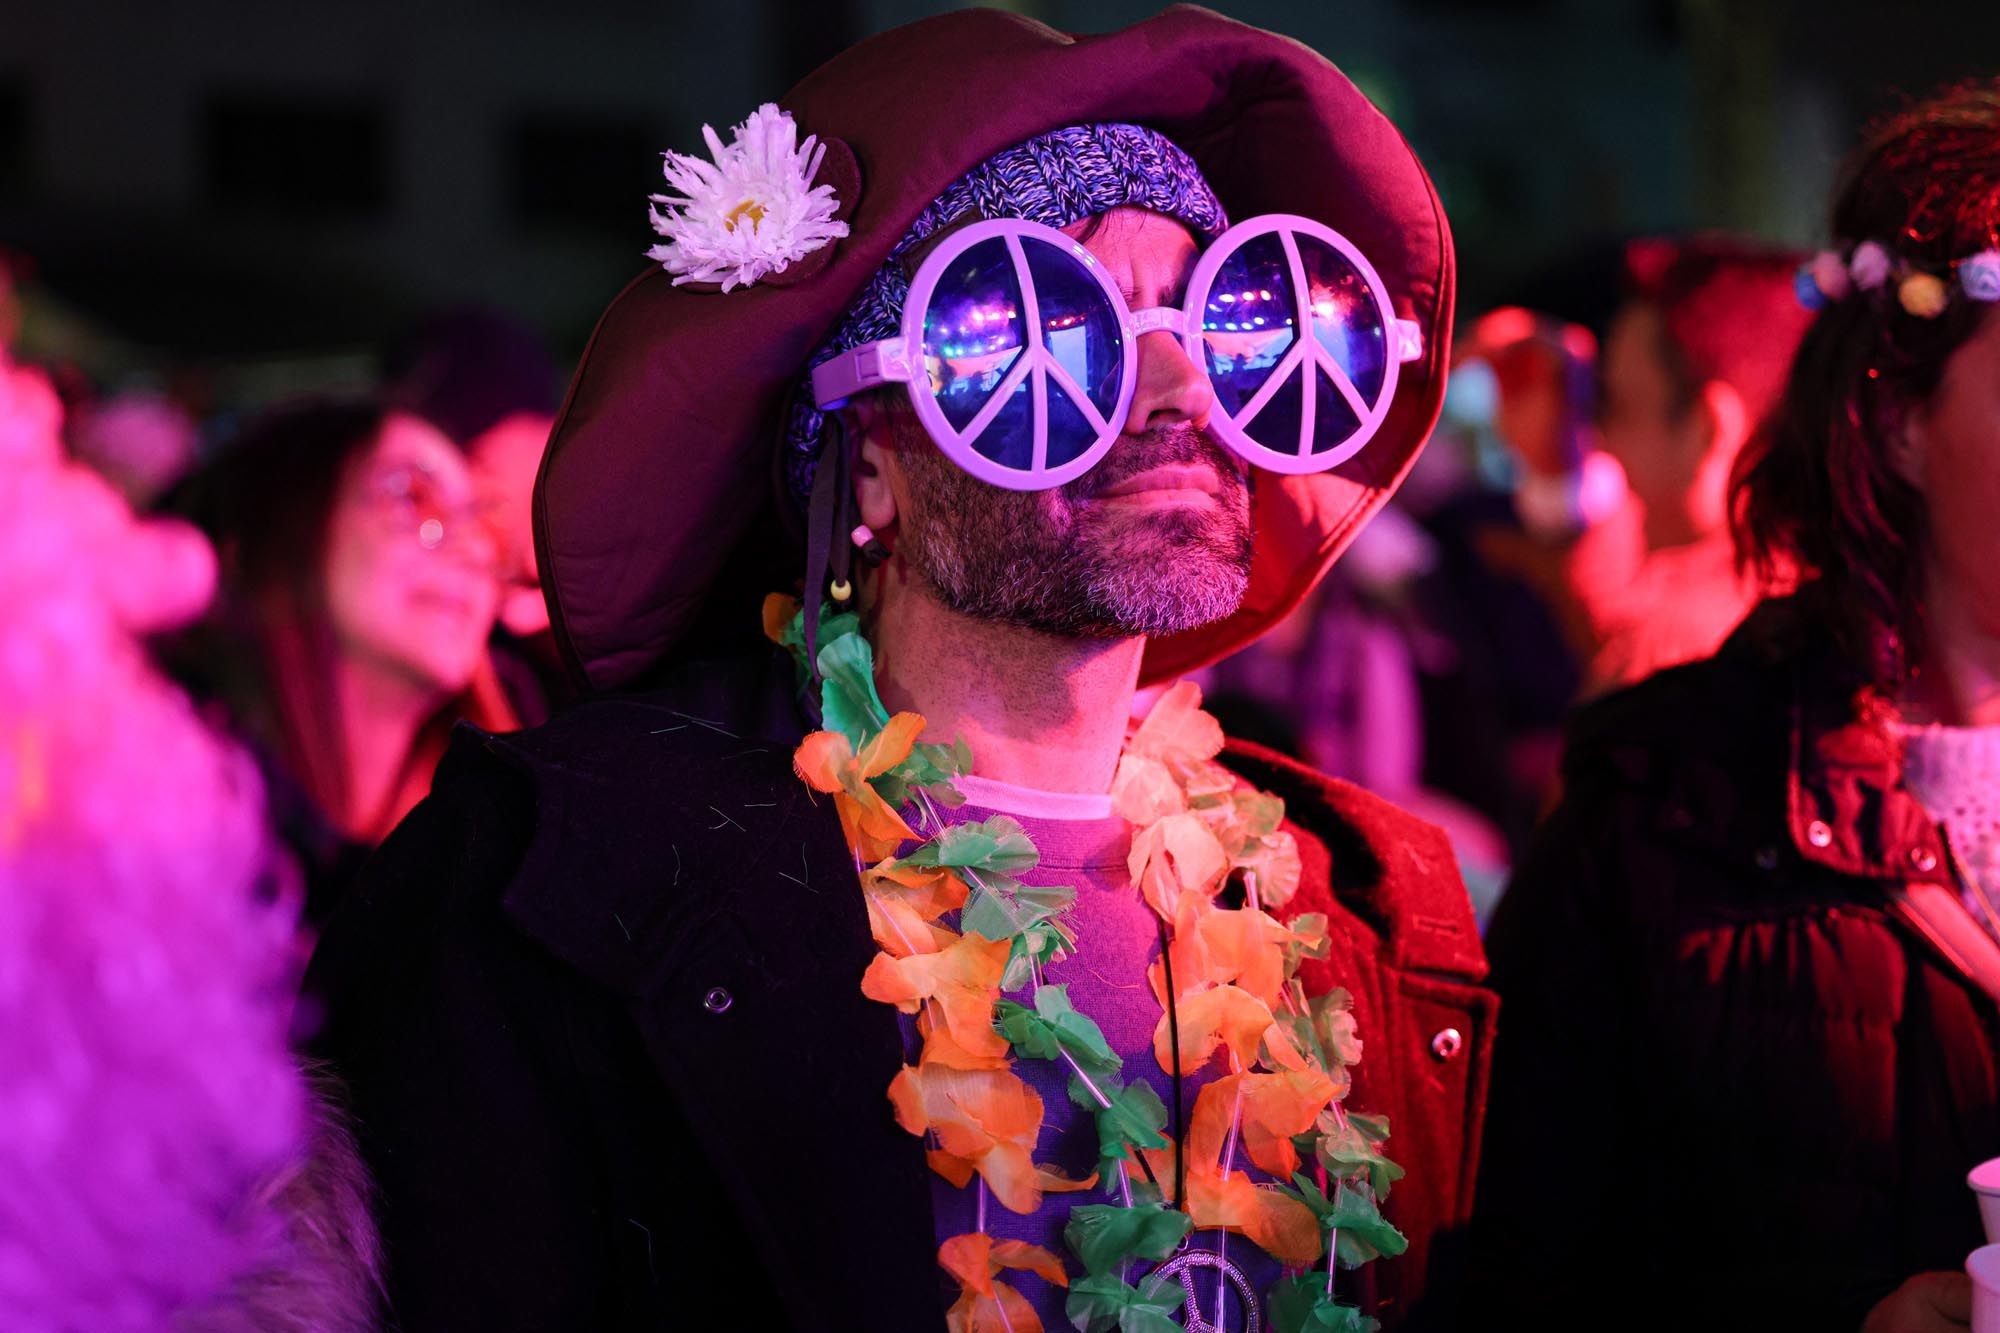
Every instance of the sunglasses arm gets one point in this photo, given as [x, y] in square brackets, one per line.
[1409, 337]
[868, 366]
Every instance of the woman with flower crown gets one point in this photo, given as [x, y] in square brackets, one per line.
[1754, 959]
[881, 972]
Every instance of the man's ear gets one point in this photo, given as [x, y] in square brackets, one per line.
[867, 419]
[1727, 417]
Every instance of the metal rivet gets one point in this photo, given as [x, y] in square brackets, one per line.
[1924, 859]
[1447, 1044]
[1818, 834]
[1767, 858]
[717, 1000]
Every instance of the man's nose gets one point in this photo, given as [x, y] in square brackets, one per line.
[1171, 388]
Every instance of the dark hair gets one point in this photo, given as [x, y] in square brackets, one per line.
[1818, 490]
[267, 505]
[1727, 312]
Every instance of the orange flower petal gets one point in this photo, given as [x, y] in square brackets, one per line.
[778, 613]
[931, 891]
[989, 1117]
[1177, 729]
[1010, 1173]
[972, 962]
[1005, 1311]
[1268, 1108]
[891, 745]
[955, 1169]
[1240, 946]
[904, 900]
[872, 827]
[963, 979]
[826, 762]
[901, 930]
[940, 1047]
[1052, 1181]
[906, 1095]
[1225, 1016]
[822, 759]
[1284, 1227]
[1032, 1258]
[969, 1258]
[1177, 855]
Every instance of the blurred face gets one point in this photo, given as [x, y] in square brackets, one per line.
[1956, 439]
[1155, 539]
[410, 585]
[1659, 441]
[504, 462]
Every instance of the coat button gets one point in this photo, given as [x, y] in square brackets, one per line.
[1447, 1044]
[1923, 859]
[717, 1000]
[1818, 834]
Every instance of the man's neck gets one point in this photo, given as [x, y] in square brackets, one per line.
[1038, 710]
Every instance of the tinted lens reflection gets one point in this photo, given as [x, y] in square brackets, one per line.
[1346, 320]
[1009, 439]
[973, 330]
[1080, 329]
[1249, 321]
[1334, 422]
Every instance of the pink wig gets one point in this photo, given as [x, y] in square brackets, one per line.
[146, 960]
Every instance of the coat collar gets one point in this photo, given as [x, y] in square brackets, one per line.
[1846, 806]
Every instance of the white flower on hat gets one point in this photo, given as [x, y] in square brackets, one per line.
[749, 213]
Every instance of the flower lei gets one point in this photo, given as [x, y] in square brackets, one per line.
[1232, 974]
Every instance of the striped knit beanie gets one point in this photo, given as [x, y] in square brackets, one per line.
[1054, 179]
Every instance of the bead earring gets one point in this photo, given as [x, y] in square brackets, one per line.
[871, 547]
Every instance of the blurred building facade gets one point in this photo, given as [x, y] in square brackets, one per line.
[227, 179]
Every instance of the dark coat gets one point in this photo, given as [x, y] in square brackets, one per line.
[598, 1003]
[1739, 1087]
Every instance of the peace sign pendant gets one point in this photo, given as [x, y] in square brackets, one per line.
[1230, 1279]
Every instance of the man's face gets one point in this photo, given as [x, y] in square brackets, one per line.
[1659, 440]
[1154, 540]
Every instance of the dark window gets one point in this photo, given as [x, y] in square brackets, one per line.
[582, 173]
[14, 147]
[296, 157]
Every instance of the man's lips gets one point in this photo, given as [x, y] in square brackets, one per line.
[1182, 477]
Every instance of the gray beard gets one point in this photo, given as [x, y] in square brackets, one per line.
[1051, 561]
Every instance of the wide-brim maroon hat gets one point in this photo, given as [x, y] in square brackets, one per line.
[663, 453]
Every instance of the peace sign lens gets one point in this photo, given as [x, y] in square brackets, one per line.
[1025, 354]
[1296, 335]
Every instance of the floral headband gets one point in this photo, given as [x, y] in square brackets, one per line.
[1826, 278]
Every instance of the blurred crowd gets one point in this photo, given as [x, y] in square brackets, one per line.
[1565, 534]
[236, 643]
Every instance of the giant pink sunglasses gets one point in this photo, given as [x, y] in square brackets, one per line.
[1021, 357]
